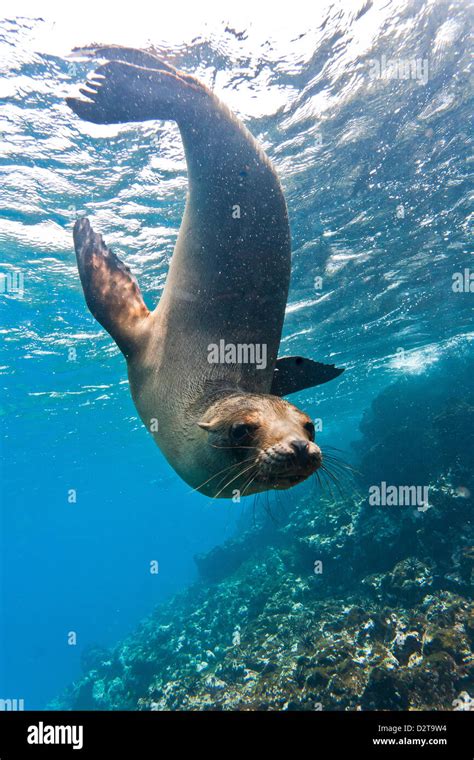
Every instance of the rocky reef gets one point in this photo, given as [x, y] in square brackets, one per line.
[338, 605]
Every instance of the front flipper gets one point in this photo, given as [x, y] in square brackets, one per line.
[294, 373]
[111, 291]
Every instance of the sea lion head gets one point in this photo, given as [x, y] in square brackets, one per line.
[257, 442]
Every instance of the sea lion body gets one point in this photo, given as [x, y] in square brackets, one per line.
[230, 266]
[227, 285]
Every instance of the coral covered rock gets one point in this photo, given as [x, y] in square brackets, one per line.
[340, 606]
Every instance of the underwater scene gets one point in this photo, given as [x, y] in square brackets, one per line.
[236, 288]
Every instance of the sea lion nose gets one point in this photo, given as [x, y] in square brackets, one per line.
[306, 452]
[301, 449]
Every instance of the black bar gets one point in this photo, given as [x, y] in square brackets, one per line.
[313, 734]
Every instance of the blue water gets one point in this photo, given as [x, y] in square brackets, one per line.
[375, 174]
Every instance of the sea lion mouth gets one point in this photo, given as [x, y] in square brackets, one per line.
[283, 483]
[278, 471]
[283, 480]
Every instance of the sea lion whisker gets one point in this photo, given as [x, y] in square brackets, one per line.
[268, 510]
[226, 485]
[224, 469]
[228, 473]
[322, 471]
[318, 478]
[345, 480]
[336, 482]
[253, 509]
[259, 496]
[249, 483]
[231, 447]
[322, 483]
[341, 462]
[281, 502]
[251, 476]
[334, 456]
[239, 475]
[340, 468]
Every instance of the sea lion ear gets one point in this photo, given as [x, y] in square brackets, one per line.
[294, 373]
[208, 425]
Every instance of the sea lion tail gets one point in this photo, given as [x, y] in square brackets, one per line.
[135, 86]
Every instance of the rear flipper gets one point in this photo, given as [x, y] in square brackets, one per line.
[126, 55]
[111, 291]
[119, 91]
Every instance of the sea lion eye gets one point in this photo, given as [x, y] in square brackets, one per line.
[241, 431]
[309, 427]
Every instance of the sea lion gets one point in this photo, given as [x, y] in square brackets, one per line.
[213, 409]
